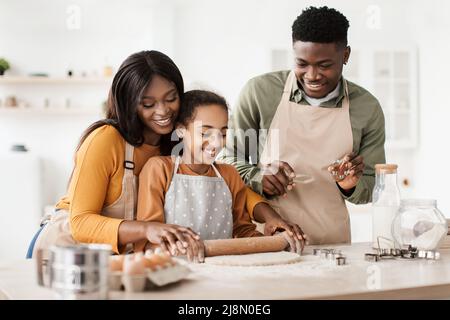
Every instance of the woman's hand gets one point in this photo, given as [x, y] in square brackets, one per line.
[196, 251]
[172, 239]
[274, 223]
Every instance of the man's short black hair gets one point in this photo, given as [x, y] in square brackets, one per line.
[322, 25]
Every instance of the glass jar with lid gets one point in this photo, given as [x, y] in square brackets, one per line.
[419, 224]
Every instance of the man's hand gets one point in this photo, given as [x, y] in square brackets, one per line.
[348, 171]
[278, 178]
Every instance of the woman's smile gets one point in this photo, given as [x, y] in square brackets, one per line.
[164, 122]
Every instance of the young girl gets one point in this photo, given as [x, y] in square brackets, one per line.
[192, 190]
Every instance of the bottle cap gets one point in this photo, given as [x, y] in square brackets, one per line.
[386, 168]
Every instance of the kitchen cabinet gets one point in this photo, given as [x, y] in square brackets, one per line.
[390, 73]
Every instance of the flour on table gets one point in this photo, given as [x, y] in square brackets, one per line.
[255, 259]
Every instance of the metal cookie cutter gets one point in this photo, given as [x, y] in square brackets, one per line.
[395, 253]
[324, 253]
[410, 253]
[372, 257]
[340, 261]
[385, 253]
[428, 254]
[332, 255]
[336, 173]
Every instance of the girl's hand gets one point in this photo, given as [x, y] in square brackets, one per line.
[292, 233]
[171, 238]
[264, 213]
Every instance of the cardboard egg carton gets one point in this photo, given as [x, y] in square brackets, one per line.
[167, 275]
[150, 277]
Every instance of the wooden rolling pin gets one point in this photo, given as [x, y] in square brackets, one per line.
[223, 247]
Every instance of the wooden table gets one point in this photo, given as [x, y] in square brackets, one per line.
[312, 278]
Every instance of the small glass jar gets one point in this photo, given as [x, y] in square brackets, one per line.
[420, 224]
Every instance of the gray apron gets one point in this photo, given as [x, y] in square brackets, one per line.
[201, 203]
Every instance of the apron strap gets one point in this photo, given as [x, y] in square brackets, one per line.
[216, 171]
[346, 102]
[128, 164]
[288, 87]
[129, 188]
[177, 165]
[128, 184]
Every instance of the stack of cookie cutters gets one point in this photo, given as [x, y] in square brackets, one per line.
[397, 253]
[332, 255]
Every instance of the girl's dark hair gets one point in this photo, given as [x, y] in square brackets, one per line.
[197, 98]
[133, 76]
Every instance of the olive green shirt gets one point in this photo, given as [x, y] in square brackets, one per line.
[256, 108]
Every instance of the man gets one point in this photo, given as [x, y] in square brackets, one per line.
[313, 117]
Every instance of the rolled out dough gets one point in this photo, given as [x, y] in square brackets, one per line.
[255, 259]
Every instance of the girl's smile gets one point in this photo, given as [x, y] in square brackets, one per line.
[204, 136]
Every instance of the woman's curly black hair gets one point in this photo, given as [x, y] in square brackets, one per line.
[321, 25]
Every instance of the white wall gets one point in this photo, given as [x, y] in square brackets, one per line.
[217, 44]
[431, 28]
[42, 36]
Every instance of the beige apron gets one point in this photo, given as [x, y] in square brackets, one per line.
[57, 229]
[309, 139]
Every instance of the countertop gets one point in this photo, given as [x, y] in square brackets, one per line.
[311, 278]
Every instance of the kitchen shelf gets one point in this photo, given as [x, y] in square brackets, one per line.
[53, 80]
[384, 79]
[16, 111]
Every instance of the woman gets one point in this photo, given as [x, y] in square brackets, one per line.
[100, 205]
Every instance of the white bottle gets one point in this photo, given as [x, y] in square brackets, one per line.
[385, 204]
